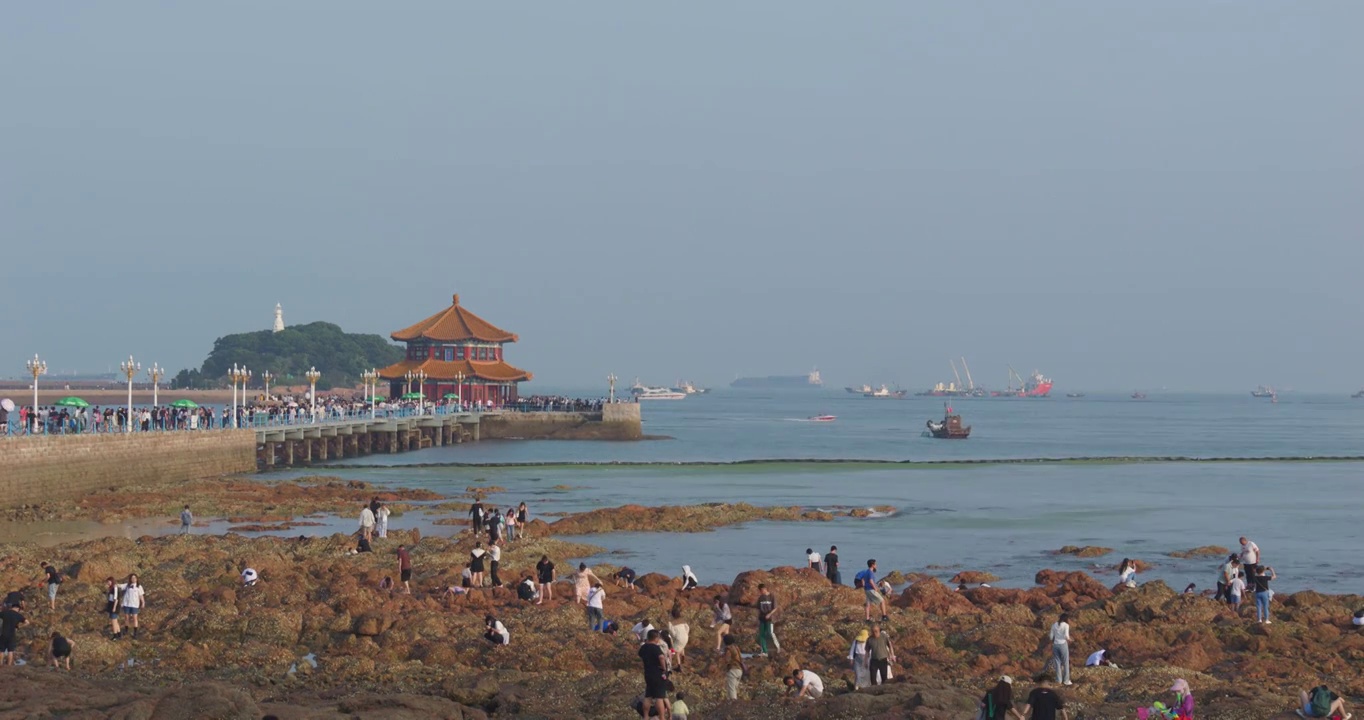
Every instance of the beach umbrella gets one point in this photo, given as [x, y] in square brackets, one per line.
[187, 404]
[7, 404]
[74, 402]
[378, 399]
[413, 396]
[451, 396]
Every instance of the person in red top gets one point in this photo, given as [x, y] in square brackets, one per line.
[405, 569]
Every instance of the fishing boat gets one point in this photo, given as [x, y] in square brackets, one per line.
[950, 428]
[858, 390]
[1263, 391]
[822, 418]
[1358, 395]
[1138, 395]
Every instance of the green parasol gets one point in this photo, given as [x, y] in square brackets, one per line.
[187, 404]
[413, 396]
[74, 402]
[378, 398]
[452, 396]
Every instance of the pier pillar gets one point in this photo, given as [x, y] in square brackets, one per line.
[288, 453]
[393, 442]
[321, 449]
[269, 456]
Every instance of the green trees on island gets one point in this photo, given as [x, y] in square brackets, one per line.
[338, 355]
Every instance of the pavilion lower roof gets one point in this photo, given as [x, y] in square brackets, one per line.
[446, 370]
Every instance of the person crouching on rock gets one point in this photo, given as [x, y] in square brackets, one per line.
[495, 632]
[720, 620]
[625, 577]
[61, 650]
[525, 590]
[689, 580]
[805, 683]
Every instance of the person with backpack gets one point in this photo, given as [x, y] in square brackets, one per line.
[1320, 702]
[998, 703]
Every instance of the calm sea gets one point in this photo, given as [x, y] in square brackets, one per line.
[1004, 518]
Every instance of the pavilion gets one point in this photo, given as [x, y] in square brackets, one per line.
[461, 354]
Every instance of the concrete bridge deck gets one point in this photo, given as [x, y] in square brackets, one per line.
[289, 445]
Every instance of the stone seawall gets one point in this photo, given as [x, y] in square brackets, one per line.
[615, 422]
[42, 469]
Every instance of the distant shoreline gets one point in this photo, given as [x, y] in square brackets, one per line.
[776, 462]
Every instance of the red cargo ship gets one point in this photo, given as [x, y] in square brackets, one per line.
[1034, 386]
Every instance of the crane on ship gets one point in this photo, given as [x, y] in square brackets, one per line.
[953, 363]
[970, 384]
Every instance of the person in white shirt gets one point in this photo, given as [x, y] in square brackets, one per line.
[1250, 556]
[1236, 590]
[596, 595]
[367, 522]
[641, 630]
[1060, 648]
[381, 520]
[1127, 573]
[133, 600]
[249, 577]
[815, 559]
[810, 684]
[1100, 658]
[495, 632]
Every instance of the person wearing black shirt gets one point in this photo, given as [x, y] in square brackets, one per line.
[15, 599]
[545, 569]
[61, 650]
[767, 613]
[655, 675]
[10, 620]
[627, 577]
[831, 566]
[1260, 581]
[1044, 701]
[476, 516]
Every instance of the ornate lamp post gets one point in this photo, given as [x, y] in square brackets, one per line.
[371, 378]
[130, 370]
[36, 367]
[312, 376]
[459, 389]
[238, 375]
[611, 382]
[155, 372]
[420, 376]
[266, 377]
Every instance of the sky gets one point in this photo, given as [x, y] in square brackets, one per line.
[1163, 194]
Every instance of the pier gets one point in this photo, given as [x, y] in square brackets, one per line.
[291, 445]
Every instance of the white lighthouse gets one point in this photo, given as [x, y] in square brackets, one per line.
[279, 317]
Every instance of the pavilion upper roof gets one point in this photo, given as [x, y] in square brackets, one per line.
[453, 324]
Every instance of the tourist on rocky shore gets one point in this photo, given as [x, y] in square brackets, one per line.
[1321, 702]
[625, 577]
[998, 704]
[61, 651]
[476, 560]
[53, 580]
[495, 632]
[1184, 701]
[689, 581]
[735, 667]
[405, 569]
[816, 562]
[583, 580]
[112, 590]
[545, 570]
[509, 521]
[1250, 556]
[366, 522]
[874, 598]
[880, 654]
[721, 619]
[134, 599]
[1236, 590]
[857, 655]
[680, 710]
[250, 577]
[381, 519]
[1225, 574]
[1260, 582]
[642, 629]
[1060, 648]
[476, 516]
[1101, 658]
[1127, 573]
[526, 590]
[831, 566]
[805, 683]
[186, 520]
[680, 632]
[522, 517]
[494, 524]
[10, 621]
[652, 654]
[494, 563]
[1044, 702]
[767, 615]
[596, 597]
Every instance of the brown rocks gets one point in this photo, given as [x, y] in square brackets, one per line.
[974, 577]
[1201, 551]
[744, 589]
[1086, 551]
[932, 597]
[687, 518]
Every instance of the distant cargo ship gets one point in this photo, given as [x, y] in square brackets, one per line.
[780, 381]
[1263, 391]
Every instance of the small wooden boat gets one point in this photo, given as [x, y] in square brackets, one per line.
[822, 418]
[950, 428]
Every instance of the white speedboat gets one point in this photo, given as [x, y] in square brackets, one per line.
[653, 393]
[686, 386]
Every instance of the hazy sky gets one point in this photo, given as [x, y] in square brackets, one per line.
[1123, 195]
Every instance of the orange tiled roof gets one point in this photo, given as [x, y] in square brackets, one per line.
[496, 370]
[452, 324]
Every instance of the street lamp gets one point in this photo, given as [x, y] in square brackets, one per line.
[155, 372]
[408, 377]
[611, 381]
[238, 375]
[420, 376]
[36, 367]
[266, 377]
[371, 378]
[459, 389]
[130, 369]
[312, 376]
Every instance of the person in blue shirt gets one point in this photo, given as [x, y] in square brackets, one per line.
[867, 578]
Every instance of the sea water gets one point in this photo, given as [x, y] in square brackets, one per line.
[1003, 518]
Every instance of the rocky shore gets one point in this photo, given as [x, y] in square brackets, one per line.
[377, 654]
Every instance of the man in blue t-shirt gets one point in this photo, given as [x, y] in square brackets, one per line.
[867, 578]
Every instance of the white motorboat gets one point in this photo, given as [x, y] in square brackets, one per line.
[654, 393]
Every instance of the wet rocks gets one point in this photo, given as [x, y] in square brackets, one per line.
[974, 577]
[688, 518]
[1084, 551]
[1200, 552]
